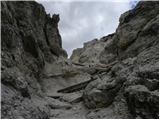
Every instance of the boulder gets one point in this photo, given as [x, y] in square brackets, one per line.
[101, 93]
[141, 102]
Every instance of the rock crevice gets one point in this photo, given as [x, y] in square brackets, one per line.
[116, 76]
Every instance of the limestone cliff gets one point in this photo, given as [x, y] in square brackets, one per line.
[133, 49]
[30, 39]
[114, 77]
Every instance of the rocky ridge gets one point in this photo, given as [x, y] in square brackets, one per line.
[114, 77]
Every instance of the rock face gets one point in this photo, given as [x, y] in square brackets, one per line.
[142, 102]
[101, 93]
[30, 38]
[90, 53]
[114, 77]
[135, 46]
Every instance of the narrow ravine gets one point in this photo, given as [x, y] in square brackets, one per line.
[114, 77]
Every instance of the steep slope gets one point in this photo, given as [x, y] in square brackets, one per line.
[134, 76]
[132, 28]
[114, 77]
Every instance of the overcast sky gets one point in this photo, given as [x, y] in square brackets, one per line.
[82, 21]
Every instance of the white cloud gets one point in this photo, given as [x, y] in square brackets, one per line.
[83, 21]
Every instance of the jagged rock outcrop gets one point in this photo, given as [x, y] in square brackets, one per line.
[30, 38]
[90, 53]
[142, 102]
[115, 77]
[135, 46]
[101, 93]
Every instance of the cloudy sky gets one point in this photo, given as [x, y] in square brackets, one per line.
[82, 21]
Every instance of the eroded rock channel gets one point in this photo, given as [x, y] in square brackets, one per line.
[116, 76]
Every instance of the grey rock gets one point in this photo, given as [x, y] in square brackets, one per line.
[14, 105]
[135, 46]
[89, 53]
[142, 102]
[27, 43]
[56, 104]
[101, 93]
[35, 66]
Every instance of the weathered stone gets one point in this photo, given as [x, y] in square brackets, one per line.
[135, 46]
[142, 102]
[34, 65]
[76, 87]
[25, 49]
[101, 93]
[56, 104]
[89, 53]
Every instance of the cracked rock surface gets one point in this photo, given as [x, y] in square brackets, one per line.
[115, 77]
